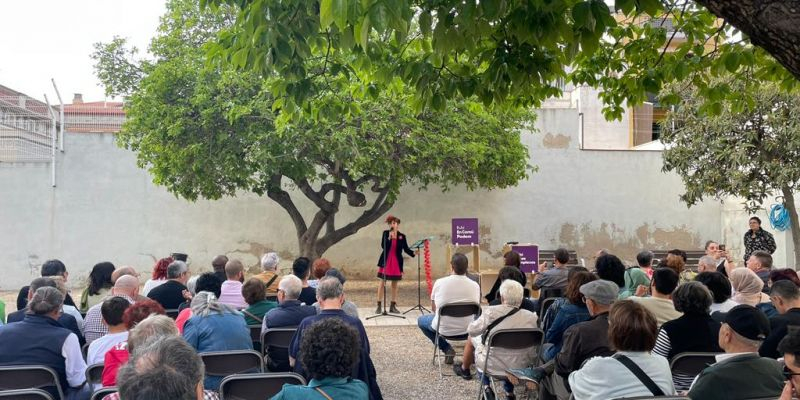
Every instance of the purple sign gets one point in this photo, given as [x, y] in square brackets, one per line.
[465, 231]
[529, 254]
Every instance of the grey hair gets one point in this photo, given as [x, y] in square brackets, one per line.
[42, 282]
[707, 260]
[692, 298]
[511, 292]
[270, 261]
[291, 287]
[329, 287]
[163, 368]
[204, 303]
[176, 268]
[45, 300]
[153, 326]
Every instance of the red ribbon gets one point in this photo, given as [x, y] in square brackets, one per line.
[428, 278]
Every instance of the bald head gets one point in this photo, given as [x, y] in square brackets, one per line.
[219, 263]
[122, 271]
[127, 285]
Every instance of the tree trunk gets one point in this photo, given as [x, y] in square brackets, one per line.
[788, 197]
[773, 25]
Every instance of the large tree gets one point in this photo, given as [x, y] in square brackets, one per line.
[502, 51]
[212, 132]
[749, 151]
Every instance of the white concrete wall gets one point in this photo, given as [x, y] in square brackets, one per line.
[735, 224]
[105, 208]
[599, 133]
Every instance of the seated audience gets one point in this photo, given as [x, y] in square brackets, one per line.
[609, 267]
[747, 289]
[664, 282]
[118, 355]
[694, 331]
[40, 340]
[515, 274]
[215, 327]
[740, 373]
[231, 291]
[720, 288]
[50, 268]
[676, 260]
[455, 288]
[301, 268]
[269, 274]
[207, 282]
[510, 316]
[634, 277]
[706, 264]
[645, 261]
[549, 315]
[218, 267]
[66, 320]
[330, 295]
[789, 347]
[173, 293]
[126, 287]
[760, 262]
[99, 285]
[510, 259]
[632, 333]
[68, 309]
[159, 276]
[111, 310]
[128, 270]
[572, 311]
[348, 307]
[785, 297]
[255, 295]
[552, 278]
[289, 313]
[163, 368]
[783, 274]
[722, 260]
[318, 269]
[329, 351]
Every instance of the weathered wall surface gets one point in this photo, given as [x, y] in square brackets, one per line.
[105, 208]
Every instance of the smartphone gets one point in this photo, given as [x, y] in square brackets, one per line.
[722, 247]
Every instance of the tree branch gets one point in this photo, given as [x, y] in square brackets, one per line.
[314, 196]
[280, 196]
[380, 206]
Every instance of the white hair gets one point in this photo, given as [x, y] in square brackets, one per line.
[291, 287]
[270, 261]
[511, 292]
[708, 261]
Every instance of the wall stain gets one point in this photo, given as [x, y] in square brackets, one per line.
[557, 141]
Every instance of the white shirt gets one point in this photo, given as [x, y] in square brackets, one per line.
[725, 306]
[98, 348]
[454, 289]
[151, 284]
[603, 378]
[73, 361]
[75, 313]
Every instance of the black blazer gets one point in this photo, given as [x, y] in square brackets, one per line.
[402, 245]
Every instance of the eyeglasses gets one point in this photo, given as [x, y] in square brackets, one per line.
[788, 374]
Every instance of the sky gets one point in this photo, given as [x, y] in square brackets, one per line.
[44, 39]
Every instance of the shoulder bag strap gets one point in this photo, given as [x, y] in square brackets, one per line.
[495, 323]
[253, 316]
[322, 392]
[272, 280]
[628, 363]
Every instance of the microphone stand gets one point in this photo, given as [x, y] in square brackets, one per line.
[386, 242]
[419, 305]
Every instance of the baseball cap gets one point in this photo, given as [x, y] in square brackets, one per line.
[748, 322]
[600, 291]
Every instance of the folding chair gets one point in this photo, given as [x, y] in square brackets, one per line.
[276, 337]
[94, 374]
[453, 310]
[26, 394]
[546, 303]
[224, 363]
[691, 363]
[510, 339]
[30, 377]
[547, 294]
[100, 393]
[85, 351]
[255, 335]
[256, 386]
[173, 313]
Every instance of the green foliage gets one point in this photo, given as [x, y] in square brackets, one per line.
[116, 66]
[214, 132]
[746, 150]
[501, 52]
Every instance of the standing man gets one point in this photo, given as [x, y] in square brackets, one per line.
[757, 239]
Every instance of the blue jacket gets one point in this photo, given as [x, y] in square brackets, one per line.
[569, 314]
[217, 332]
[335, 388]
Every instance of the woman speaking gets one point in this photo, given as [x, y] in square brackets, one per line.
[390, 264]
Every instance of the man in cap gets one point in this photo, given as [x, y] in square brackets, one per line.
[740, 373]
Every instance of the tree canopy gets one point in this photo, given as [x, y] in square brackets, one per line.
[213, 132]
[749, 153]
[505, 52]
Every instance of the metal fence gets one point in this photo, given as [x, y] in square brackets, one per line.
[28, 129]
